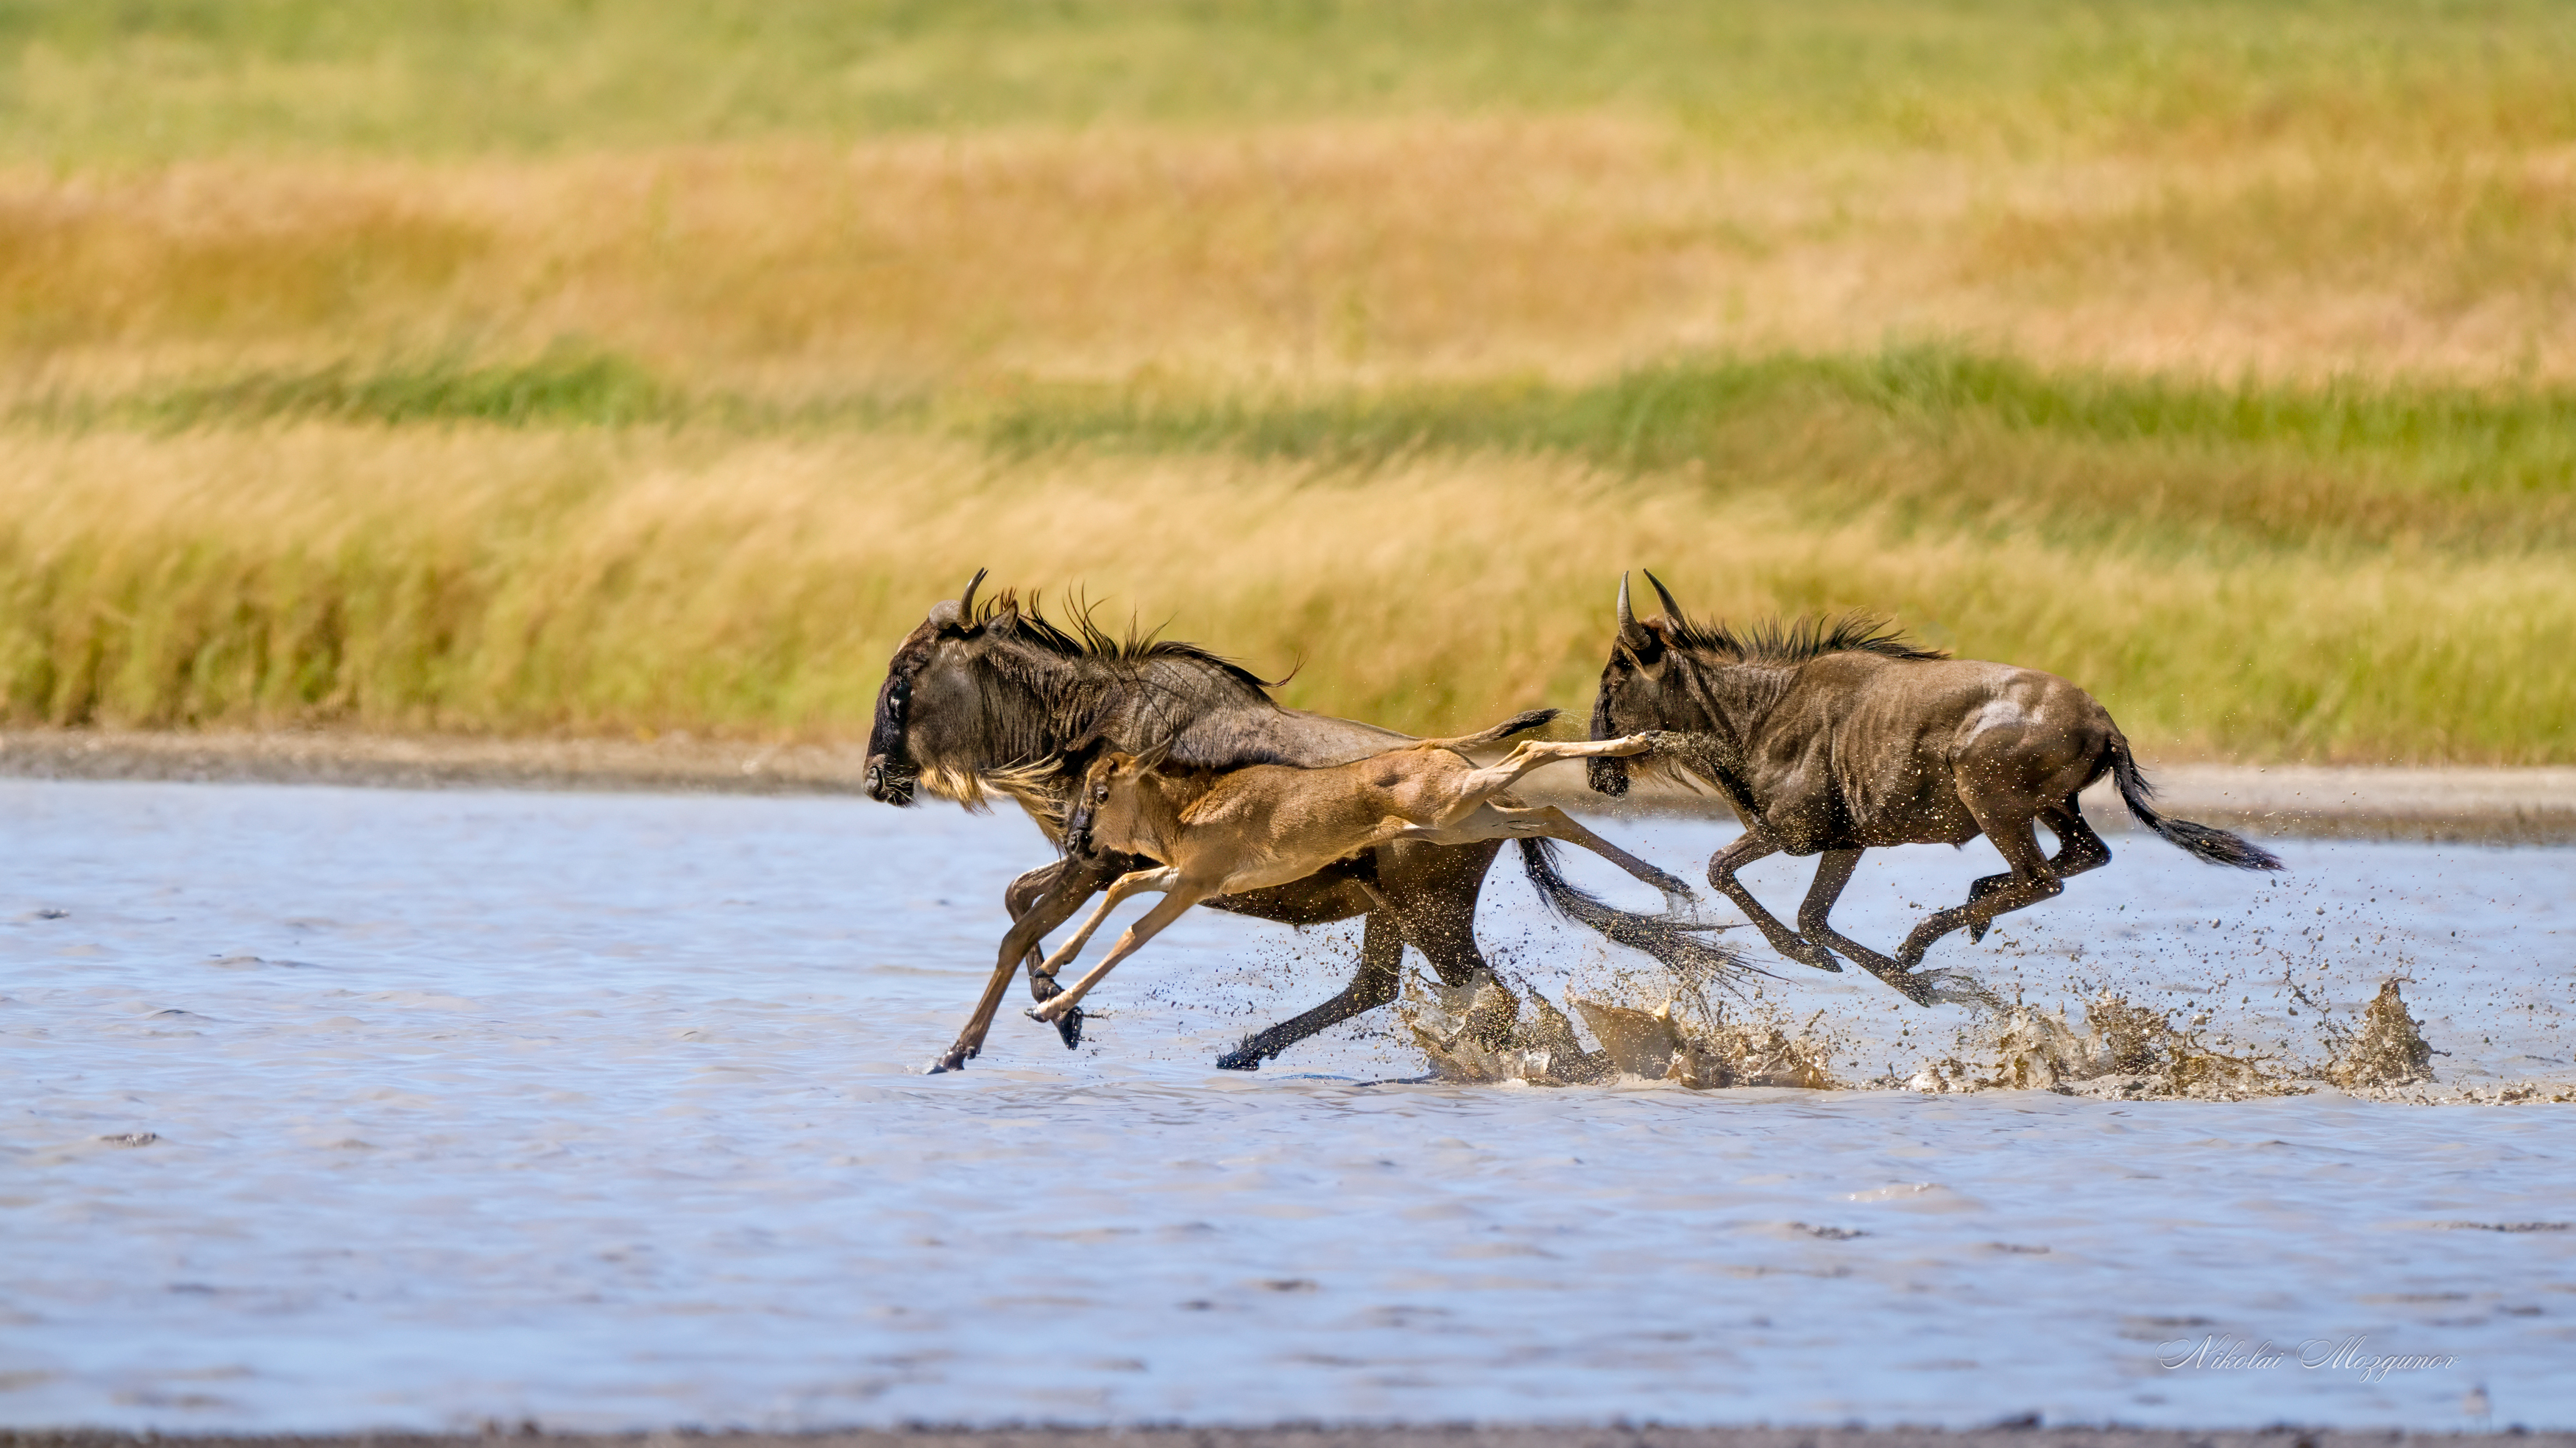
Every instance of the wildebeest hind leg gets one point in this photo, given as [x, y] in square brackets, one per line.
[1380, 975]
[1833, 872]
[2033, 880]
[2078, 850]
[1556, 824]
[1432, 893]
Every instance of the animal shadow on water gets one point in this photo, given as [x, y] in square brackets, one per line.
[1264, 825]
[1833, 739]
[990, 699]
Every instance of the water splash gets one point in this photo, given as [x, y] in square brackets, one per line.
[1700, 1048]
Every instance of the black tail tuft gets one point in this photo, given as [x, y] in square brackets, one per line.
[1523, 722]
[2218, 847]
[1670, 941]
[1520, 723]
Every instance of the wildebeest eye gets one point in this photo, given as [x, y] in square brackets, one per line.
[898, 696]
[1100, 792]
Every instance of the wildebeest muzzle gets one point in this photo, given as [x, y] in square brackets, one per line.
[888, 782]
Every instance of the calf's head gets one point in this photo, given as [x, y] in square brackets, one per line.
[1111, 810]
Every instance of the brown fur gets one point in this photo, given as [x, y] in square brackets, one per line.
[1832, 740]
[1266, 825]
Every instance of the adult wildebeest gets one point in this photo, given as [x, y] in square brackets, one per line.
[1268, 824]
[993, 699]
[1836, 738]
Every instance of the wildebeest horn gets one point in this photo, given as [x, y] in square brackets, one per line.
[1672, 609]
[966, 600]
[1631, 632]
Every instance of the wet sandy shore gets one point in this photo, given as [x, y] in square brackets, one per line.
[2002, 1436]
[2484, 805]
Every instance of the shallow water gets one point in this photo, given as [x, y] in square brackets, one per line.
[600, 1110]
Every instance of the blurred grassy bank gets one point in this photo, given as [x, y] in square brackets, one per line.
[2348, 574]
[630, 367]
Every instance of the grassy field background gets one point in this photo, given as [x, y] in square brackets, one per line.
[648, 366]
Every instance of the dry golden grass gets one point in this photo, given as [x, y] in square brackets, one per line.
[482, 579]
[1288, 257]
[1055, 281]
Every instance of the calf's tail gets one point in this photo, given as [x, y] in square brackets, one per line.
[2218, 847]
[1674, 942]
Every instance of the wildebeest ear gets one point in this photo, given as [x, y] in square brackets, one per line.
[1152, 759]
[1649, 658]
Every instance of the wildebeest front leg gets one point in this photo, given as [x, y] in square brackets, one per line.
[1380, 976]
[1753, 845]
[1019, 898]
[1833, 872]
[1077, 882]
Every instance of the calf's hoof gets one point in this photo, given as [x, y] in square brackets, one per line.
[1977, 932]
[955, 1060]
[1069, 1026]
[1241, 1058]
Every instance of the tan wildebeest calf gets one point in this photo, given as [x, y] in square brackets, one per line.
[1268, 824]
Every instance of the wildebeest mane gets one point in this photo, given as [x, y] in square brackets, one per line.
[1087, 640]
[1794, 641]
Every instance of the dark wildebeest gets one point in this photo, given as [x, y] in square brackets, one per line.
[993, 699]
[1268, 824]
[1834, 739]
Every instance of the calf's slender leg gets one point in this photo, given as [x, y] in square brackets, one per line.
[1022, 895]
[1753, 845]
[1170, 908]
[1531, 754]
[1072, 886]
[1131, 883]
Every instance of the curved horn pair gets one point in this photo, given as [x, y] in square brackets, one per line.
[1629, 629]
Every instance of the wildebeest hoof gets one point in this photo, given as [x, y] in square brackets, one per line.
[953, 1061]
[1977, 932]
[1241, 1058]
[1069, 1026]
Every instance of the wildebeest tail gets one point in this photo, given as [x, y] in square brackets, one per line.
[1521, 723]
[1674, 942]
[2218, 847]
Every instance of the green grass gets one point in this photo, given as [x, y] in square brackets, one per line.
[1929, 438]
[154, 79]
